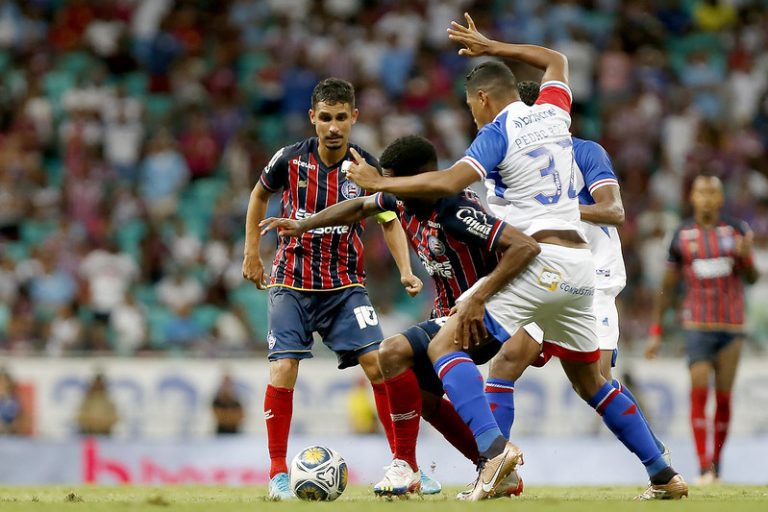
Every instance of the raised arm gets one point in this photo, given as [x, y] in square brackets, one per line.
[344, 213]
[253, 267]
[554, 64]
[608, 209]
[433, 184]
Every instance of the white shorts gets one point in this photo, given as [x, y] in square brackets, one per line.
[607, 325]
[555, 292]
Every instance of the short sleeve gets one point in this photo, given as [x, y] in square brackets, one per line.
[488, 149]
[385, 202]
[468, 222]
[275, 174]
[741, 227]
[595, 165]
[555, 93]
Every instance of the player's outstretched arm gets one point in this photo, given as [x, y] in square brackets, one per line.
[665, 299]
[253, 267]
[344, 213]
[608, 209]
[395, 238]
[519, 250]
[554, 64]
[433, 184]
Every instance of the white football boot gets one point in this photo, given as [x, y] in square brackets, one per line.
[399, 479]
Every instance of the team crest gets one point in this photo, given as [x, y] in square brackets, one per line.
[436, 246]
[271, 340]
[350, 190]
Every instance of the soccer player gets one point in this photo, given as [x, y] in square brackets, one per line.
[601, 211]
[458, 243]
[713, 254]
[525, 156]
[317, 280]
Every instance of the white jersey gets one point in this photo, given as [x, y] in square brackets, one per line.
[595, 171]
[525, 157]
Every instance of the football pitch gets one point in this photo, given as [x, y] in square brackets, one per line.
[219, 499]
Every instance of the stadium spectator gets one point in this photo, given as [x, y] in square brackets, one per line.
[97, 414]
[11, 411]
[227, 409]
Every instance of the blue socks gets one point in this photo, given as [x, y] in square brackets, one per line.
[501, 398]
[616, 384]
[622, 416]
[464, 385]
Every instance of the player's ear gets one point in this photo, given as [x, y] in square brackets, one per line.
[311, 114]
[355, 113]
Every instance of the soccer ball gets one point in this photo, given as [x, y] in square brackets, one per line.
[318, 474]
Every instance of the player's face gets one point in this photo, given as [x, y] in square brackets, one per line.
[333, 123]
[478, 104]
[707, 196]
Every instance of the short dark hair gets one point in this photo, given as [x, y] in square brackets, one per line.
[491, 76]
[409, 155]
[529, 91]
[333, 91]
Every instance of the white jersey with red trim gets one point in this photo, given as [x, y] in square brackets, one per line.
[594, 172]
[525, 157]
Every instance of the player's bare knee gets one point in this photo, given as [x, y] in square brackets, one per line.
[370, 365]
[395, 356]
[283, 372]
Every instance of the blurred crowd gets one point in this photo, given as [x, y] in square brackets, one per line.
[133, 131]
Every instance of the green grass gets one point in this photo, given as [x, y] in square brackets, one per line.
[724, 498]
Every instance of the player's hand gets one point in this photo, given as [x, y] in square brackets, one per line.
[743, 248]
[363, 173]
[475, 43]
[285, 227]
[412, 284]
[653, 347]
[253, 270]
[471, 329]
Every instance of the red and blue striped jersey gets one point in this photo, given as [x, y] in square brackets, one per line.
[714, 291]
[325, 258]
[456, 242]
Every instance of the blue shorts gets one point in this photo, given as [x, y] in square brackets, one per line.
[419, 337]
[705, 345]
[344, 319]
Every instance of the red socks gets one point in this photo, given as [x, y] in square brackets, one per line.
[405, 406]
[722, 421]
[278, 409]
[448, 422]
[385, 417]
[699, 425]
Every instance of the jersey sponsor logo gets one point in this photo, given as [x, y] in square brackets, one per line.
[271, 340]
[306, 165]
[603, 272]
[577, 290]
[476, 222]
[549, 279]
[712, 267]
[327, 230]
[365, 316]
[534, 117]
[434, 225]
[436, 246]
[440, 268]
[272, 161]
[303, 183]
[350, 190]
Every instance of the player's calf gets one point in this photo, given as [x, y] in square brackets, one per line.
[395, 356]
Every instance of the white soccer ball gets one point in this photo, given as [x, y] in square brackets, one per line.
[318, 473]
